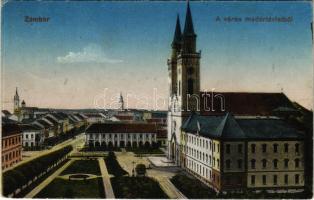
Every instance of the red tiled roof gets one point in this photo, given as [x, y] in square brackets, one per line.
[121, 128]
[242, 103]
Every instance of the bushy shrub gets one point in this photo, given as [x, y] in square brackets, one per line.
[113, 165]
[192, 188]
[140, 169]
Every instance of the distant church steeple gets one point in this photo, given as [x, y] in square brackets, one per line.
[176, 43]
[121, 102]
[16, 101]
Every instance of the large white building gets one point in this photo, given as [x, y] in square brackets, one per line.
[121, 134]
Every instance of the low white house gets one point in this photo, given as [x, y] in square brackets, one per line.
[33, 136]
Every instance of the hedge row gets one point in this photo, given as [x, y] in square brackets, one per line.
[113, 165]
[192, 188]
[23, 174]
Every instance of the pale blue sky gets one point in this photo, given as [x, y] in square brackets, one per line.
[123, 46]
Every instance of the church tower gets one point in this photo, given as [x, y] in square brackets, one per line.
[188, 69]
[184, 84]
[16, 101]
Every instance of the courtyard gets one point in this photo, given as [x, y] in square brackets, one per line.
[110, 175]
[81, 179]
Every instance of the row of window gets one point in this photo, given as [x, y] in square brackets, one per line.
[11, 141]
[27, 144]
[275, 148]
[205, 144]
[239, 164]
[31, 136]
[11, 155]
[201, 170]
[208, 159]
[275, 179]
[95, 136]
[275, 163]
[239, 149]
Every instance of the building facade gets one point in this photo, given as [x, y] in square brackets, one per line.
[33, 136]
[11, 150]
[231, 154]
[121, 134]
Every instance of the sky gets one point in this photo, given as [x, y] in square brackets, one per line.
[89, 52]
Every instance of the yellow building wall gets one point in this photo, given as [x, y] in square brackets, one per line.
[270, 170]
[234, 156]
[216, 155]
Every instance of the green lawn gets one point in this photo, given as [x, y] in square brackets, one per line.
[83, 166]
[137, 188]
[60, 188]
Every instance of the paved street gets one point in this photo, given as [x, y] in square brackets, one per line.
[43, 184]
[78, 141]
[106, 179]
[162, 175]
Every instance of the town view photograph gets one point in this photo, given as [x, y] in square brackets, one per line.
[157, 99]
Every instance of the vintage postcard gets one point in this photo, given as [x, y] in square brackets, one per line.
[157, 99]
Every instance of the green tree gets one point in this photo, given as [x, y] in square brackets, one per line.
[140, 169]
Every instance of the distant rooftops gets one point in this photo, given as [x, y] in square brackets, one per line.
[29, 127]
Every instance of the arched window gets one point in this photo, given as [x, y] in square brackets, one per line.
[264, 162]
[190, 86]
[275, 163]
[275, 148]
[296, 163]
[228, 164]
[253, 163]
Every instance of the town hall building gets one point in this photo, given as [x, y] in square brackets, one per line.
[231, 141]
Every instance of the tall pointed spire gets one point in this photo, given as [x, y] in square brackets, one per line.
[188, 27]
[16, 91]
[177, 33]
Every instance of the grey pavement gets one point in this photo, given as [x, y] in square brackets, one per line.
[162, 175]
[106, 179]
[43, 184]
